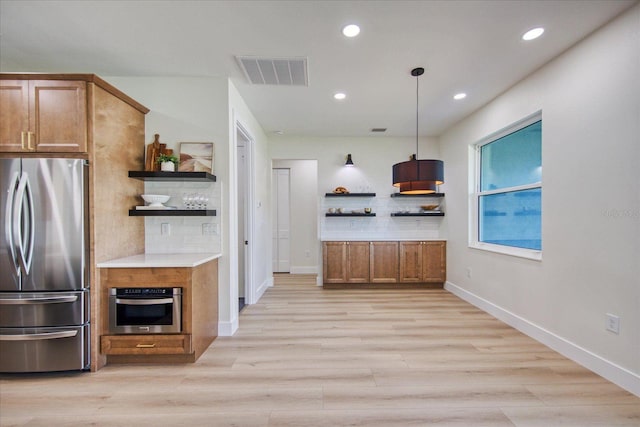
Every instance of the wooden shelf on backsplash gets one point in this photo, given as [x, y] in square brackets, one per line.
[350, 195]
[172, 176]
[172, 212]
[417, 195]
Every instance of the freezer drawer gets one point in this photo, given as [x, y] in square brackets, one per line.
[44, 349]
[43, 309]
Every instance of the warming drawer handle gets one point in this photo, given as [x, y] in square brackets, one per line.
[31, 301]
[36, 337]
[145, 345]
[153, 301]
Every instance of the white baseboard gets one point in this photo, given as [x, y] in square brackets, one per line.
[609, 370]
[263, 288]
[303, 270]
[227, 329]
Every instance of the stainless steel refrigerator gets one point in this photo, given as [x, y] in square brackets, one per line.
[44, 287]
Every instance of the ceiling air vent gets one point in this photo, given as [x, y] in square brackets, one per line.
[274, 71]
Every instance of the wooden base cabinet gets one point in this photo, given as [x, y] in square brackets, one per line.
[423, 262]
[384, 264]
[199, 314]
[346, 262]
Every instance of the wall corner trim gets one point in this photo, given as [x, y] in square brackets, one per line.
[605, 368]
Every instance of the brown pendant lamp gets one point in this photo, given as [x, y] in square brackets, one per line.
[418, 176]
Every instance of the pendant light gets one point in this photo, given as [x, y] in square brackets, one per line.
[418, 176]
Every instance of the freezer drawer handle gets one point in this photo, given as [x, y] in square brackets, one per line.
[144, 301]
[36, 337]
[48, 300]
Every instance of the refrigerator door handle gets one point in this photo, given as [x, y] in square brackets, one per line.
[26, 254]
[47, 300]
[8, 220]
[35, 337]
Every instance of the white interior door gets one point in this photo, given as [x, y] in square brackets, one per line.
[281, 220]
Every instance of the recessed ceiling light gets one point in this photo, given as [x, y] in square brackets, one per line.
[458, 96]
[339, 96]
[351, 30]
[533, 34]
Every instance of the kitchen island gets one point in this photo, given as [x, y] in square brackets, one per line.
[195, 274]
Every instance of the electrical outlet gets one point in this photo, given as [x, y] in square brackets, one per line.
[469, 272]
[165, 229]
[307, 253]
[613, 323]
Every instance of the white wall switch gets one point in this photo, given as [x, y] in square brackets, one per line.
[165, 229]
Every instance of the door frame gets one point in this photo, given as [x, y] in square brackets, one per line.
[249, 214]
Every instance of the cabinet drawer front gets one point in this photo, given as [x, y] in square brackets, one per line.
[145, 344]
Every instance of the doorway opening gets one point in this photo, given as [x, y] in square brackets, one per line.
[296, 247]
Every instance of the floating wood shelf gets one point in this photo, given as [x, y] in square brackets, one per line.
[417, 214]
[350, 214]
[350, 195]
[417, 195]
[172, 176]
[172, 212]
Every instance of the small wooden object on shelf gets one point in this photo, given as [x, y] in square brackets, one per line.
[154, 150]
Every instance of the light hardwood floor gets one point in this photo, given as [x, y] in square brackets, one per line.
[305, 356]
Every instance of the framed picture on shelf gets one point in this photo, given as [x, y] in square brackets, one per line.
[196, 157]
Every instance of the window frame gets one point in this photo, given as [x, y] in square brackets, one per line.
[475, 193]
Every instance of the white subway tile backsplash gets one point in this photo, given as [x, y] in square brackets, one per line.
[383, 226]
[186, 232]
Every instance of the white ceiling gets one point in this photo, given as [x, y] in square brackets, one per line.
[465, 46]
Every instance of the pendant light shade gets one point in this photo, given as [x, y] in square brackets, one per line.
[418, 176]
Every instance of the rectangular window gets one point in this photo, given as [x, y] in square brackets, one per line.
[506, 205]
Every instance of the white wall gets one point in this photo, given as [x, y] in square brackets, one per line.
[590, 102]
[374, 158]
[260, 245]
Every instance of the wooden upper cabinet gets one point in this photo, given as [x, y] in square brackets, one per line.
[384, 262]
[48, 116]
[14, 114]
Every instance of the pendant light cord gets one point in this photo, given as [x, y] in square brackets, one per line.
[417, 116]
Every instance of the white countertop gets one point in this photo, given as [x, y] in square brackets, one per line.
[373, 239]
[159, 260]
